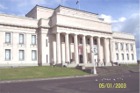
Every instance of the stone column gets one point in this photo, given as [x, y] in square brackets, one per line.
[111, 50]
[58, 52]
[76, 49]
[67, 47]
[92, 50]
[99, 50]
[106, 51]
[114, 51]
[84, 50]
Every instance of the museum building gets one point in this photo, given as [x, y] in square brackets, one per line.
[62, 36]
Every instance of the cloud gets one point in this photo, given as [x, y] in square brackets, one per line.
[109, 19]
[2, 7]
[122, 19]
[129, 25]
[132, 25]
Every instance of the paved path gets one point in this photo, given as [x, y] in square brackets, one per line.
[77, 85]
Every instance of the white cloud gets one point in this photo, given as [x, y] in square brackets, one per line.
[129, 25]
[122, 19]
[109, 19]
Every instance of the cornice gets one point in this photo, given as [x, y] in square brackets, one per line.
[76, 10]
[13, 25]
[19, 17]
[84, 19]
[59, 25]
[121, 33]
[83, 29]
[123, 38]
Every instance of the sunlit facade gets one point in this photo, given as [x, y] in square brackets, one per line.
[62, 36]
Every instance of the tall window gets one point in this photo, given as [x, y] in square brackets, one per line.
[21, 38]
[121, 46]
[34, 55]
[117, 56]
[80, 40]
[116, 46]
[7, 54]
[7, 37]
[95, 41]
[127, 47]
[88, 41]
[21, 55]
[63, 38]
[33, 40]
[72, 40]
[131, 47]
[46, 58]
[46, 42]
[127, 56]
[132, 56]
[122, 56]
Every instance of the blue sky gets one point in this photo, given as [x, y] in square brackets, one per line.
[123, 14]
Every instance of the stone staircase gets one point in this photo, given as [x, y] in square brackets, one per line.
[115, 69]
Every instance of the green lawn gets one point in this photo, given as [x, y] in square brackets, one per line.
[37, 72]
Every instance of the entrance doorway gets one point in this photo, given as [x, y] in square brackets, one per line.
[80, 58]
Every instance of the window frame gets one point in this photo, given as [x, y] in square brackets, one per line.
[127, 47]
[117, 56]
[116, 45]
[80, 40]
[9, 55]
[122, 56]
[33, 39]
[21, 41]
[9, 40]
[132, 55]
[132, 47]
[34, 58]
[88, 41]
[122, 47]
[23, 55]
[127, 56]
[46, 42]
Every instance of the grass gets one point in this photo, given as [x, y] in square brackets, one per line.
[38, 72]
[131, 65]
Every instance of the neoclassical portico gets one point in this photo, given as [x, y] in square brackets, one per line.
[79, 47]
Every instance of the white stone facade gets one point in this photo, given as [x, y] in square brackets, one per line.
[62, 36]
